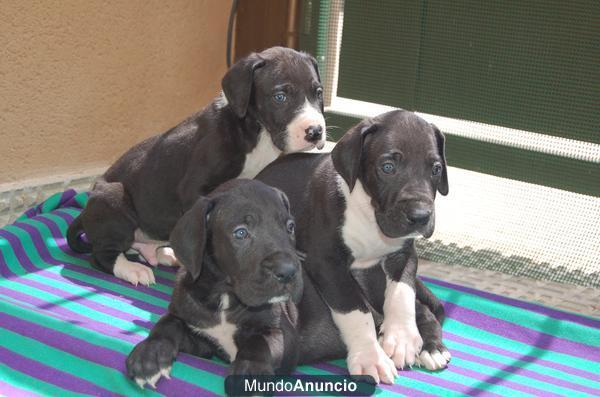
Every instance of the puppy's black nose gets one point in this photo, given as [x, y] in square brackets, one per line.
[284, 272]
[419, 216]
[313, 133]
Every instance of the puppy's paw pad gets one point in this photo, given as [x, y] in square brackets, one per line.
[434, 360]
[402, 344]
[134, 272]
[372, 361]
[166, 256]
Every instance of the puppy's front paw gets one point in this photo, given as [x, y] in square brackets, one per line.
[150, 360]
[251, 368]
[372, 360]
[434, 356]
[401, 343]
[134, 272]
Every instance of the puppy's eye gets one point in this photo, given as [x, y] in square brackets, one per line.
[320, 94]
[240, 233]
[388, 168]
[279, 97]
[291, 226]
[436, 170]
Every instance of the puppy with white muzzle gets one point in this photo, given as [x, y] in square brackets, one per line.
[272, 104]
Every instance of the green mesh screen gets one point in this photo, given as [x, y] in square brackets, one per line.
[515, 85]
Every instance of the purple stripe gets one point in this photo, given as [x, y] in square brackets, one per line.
[520, 333]
[521, 357]
[13, 391]
[23, 258]
[48, 258]
[50, 375]
[550, 312]
[88, 351]
[61, 242]
[524, 372]
[396, 388]
[72, 317]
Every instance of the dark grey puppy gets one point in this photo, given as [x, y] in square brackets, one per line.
[237, 295]
[271, 104]
[360, 208]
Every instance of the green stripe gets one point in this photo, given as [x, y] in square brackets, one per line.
[66, 362]
[33, 385]
[518, 316]
[51, 202]
[500, 359]
[63, 225]
[469, 332]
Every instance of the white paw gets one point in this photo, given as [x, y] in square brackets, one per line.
[151, 380]
[372, 360]
[166, 256]
[402, 343]
[134, 272]
[434, 360]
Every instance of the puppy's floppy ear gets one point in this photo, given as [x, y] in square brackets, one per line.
[238, 82]
[347, 153]
[284, 198]
[441, 147]
[188, 238]
[315, 66]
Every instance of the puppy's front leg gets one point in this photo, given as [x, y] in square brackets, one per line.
[254, 357]
[154, 356]
[341, 293]
[400, 336]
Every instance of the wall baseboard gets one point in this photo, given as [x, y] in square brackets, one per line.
[17, 197]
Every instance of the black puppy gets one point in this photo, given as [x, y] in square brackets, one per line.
[240, 241]
[361, 206]
[237, 295]
[271, 104]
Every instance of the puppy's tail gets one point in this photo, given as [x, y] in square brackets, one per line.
[74, 238]
[430, 300]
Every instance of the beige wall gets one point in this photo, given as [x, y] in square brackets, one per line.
[81, 81]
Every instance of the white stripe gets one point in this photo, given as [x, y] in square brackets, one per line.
[521, 139]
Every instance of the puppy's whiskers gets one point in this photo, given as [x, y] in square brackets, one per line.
[301, 255]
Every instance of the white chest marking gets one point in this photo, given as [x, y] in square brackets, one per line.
[222, 333]
[360, 231]
[264, 153]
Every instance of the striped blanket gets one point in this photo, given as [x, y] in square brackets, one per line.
[66, 329]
